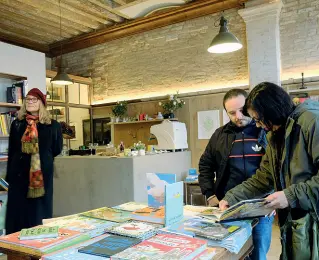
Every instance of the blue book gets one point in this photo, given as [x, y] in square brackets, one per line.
[174, 196]
[110, 245]
[156, 183]
[72, 252]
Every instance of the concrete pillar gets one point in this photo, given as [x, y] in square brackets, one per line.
[263, 40]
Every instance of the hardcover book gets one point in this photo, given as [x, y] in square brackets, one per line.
[110, 245]
[90, 226]
[198, 228]
[156, 183]
[242, 210]
[150, 214]
[72, 252]
[42, 246]
[174, 196]
[208, 254]
[110, 214]
[39, 232]
[164, 246]
[141, 230]
[131, 206]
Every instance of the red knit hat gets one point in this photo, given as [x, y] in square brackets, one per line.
[38, 94]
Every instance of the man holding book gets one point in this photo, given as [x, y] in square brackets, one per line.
[233, 155]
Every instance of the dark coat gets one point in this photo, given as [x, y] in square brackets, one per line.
[213, 163]
[23, 212]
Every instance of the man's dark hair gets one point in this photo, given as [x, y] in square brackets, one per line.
[235, 92]
[271, 102]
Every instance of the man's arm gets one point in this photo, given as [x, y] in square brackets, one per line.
[259, 185]
[207, 168]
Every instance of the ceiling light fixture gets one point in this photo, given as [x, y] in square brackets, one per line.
[224, 41]
[61, 78]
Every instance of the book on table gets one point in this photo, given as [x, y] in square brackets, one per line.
[245, 209]
[164, 246]
[39, 232]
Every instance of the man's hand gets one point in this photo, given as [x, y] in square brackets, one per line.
[223, 205]
[277, 200]
[213, 201]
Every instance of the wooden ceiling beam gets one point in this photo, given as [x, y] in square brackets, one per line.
[120, 2]
[23, 31]
[183, 13]
[55, 10]
[108, 8]
[27, 11]
[32, 23]
[95, 10]
[78, 11]
[23, 42]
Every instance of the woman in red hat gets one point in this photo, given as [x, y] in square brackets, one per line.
[35, 139]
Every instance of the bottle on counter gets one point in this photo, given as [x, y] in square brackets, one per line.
[122, 147]
[65, 151]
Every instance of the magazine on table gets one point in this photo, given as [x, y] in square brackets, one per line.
[242, 210]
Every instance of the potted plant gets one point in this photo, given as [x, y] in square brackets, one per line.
[140, 147]
[171, 105]
[119, 110]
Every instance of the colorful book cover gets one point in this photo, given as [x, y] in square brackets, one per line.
[198, 228]
[90, 226]
[137, 229]
[156, 187]
[41, 244]
[208, 254]
[39, 232]
[174, 196]
[193, 211]
[72, 252]
[131, 206]
[150, 214]
[110, 245]
[110, 214]
[164, 246]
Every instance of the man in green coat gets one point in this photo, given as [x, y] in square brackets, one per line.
[290, 166]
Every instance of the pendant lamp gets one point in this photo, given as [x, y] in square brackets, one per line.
[61, 78]
[224, 41]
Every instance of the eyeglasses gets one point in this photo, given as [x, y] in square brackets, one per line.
[31, 100]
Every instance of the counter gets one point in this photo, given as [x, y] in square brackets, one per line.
[83, 183]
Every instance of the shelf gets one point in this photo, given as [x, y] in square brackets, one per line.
[142, 122]
[4, 136]
[3, 104]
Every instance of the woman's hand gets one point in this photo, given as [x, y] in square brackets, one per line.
[277, 200]
[223, 205]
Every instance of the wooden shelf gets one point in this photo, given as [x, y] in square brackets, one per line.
[142, 122]
[3, 104]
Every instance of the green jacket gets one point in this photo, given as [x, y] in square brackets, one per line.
[299, 173]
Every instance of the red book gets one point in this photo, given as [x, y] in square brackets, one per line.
[164, 246]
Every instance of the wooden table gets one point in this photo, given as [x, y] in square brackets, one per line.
[222, 253]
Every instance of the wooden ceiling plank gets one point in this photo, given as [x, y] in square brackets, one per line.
[54, 10]
[23, 30]
[34, 24]
[78, 11]
[29, 10]
[121, 2]
[31, 21]
[23, 42]
[129, 4]
[108, 8]
[189, 11]
[97, 10]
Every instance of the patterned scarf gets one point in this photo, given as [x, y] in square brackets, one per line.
[30, 145]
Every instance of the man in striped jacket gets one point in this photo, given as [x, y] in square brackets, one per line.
[233, 155]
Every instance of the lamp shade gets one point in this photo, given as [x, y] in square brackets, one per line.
[224, 41]
[61, 78]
